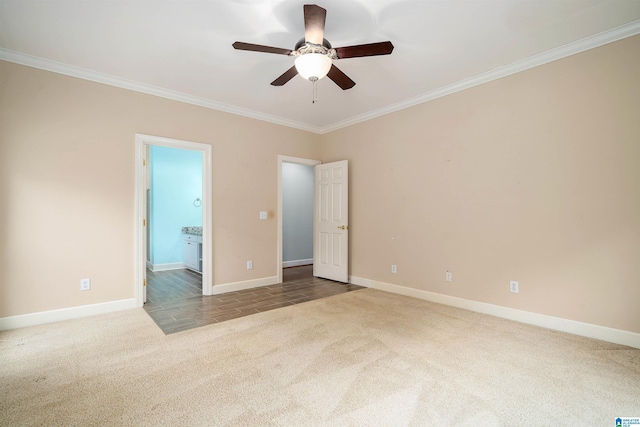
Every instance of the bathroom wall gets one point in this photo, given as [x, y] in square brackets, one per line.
[176, 181]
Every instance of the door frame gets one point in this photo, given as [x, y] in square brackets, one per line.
[141, 163]
[299, 161]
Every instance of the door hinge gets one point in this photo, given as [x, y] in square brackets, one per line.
[144, 222]
[144, 162]
[144, 282]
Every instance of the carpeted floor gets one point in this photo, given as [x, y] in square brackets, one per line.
[361, 358]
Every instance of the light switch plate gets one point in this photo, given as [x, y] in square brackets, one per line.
[513, 287]
[263, 214]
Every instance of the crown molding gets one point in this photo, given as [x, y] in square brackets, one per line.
[627, 30]
[591, 42]
[94, 76]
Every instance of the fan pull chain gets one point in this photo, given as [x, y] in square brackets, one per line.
[315, 89]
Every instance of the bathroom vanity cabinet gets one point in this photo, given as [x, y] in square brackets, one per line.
[192, 251]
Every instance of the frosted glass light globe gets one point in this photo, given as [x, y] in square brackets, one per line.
[313, 65]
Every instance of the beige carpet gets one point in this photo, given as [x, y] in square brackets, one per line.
[361, 358]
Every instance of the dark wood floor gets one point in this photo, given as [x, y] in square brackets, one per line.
[175, 301]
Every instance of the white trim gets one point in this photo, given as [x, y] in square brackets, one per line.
[95, 76]
[297, 262]
[589, 330]
[618, 33]
[246, 284]
[140, 239]
[299, 161]
[591, 42]
[32, 319]
[165, 267]
[141, 141]
[207, 221]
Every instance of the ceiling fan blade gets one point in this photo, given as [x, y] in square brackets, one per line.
[314, 17]
[371, 49]
[288, 75]
[260, 48]
[340, 78]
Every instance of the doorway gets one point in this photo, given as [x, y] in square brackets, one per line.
[143, 178]
[173, 204]
[300, 253]
[330, 218]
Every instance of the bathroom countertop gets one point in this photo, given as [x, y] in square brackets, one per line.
[197, 230]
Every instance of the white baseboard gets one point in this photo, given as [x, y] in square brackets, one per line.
[32, 319]
[165, 267]
[618, 336]
[247, 284]
[297, 262]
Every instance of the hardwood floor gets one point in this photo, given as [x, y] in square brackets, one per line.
[175, 301]
[173, 285]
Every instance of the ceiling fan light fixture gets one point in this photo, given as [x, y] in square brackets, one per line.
[315, 55]
[313, 65]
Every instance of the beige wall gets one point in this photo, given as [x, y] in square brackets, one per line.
[67, 186]
[534, 177]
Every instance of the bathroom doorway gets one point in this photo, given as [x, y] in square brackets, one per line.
[169, 198]
[174, 225]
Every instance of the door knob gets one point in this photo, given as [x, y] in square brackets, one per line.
[343, 227]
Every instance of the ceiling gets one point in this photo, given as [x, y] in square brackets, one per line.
[182, 49]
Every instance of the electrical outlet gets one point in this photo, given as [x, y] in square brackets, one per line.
[249, 265]
[448, 277]
[513, 287]
[85, 284]
[394, 269]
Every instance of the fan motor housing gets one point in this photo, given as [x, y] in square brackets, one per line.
[302, 42]
[303, 47]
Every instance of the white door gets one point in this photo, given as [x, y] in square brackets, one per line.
[331, 221]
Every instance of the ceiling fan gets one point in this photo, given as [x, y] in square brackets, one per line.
[314, 54]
